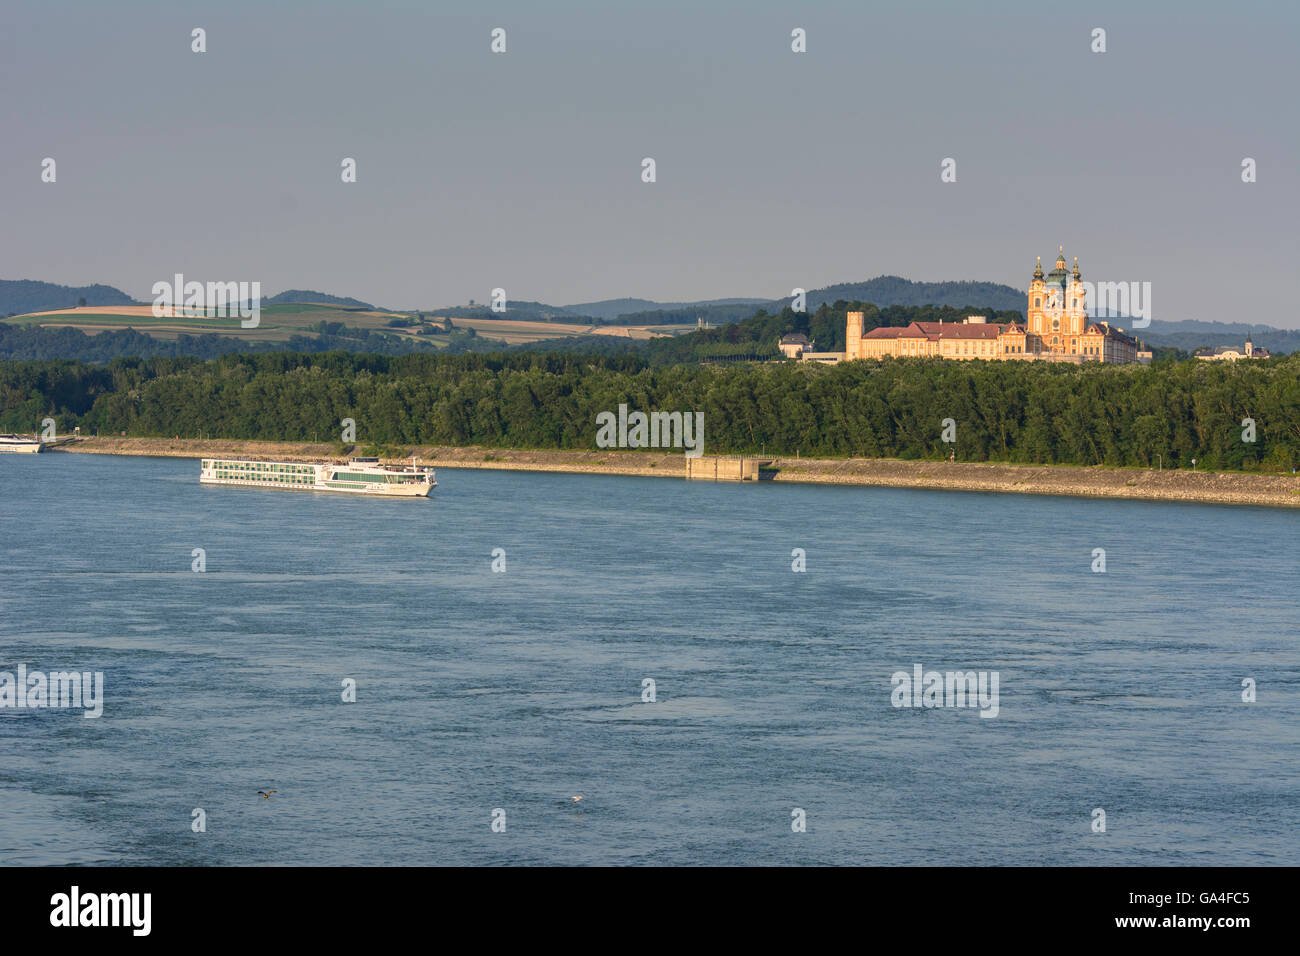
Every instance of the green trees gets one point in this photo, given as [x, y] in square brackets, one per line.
[1027, 412]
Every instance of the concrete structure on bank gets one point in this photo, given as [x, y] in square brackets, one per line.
[724, 468]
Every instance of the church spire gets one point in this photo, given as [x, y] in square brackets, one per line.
[1076, 267]
[1038, 269]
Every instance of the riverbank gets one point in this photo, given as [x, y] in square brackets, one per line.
[1279, 491]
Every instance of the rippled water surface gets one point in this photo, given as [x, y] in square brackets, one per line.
[479, 690]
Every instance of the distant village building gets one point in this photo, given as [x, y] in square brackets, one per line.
[1057, 330]
[1230, 353]
[794, 345]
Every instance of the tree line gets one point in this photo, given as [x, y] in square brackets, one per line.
[1031, 412]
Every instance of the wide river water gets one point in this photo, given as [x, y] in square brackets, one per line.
[479, 690]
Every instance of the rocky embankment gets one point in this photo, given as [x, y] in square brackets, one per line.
[1089, 482]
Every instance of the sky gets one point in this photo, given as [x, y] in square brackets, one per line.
[774, 169]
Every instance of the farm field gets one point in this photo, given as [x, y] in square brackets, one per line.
[280, 322]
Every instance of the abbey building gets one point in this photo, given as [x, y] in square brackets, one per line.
[1057, 330]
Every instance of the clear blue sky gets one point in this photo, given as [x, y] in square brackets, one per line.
[775, 169]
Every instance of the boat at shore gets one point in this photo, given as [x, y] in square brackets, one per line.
[358, 476]
[20, 444]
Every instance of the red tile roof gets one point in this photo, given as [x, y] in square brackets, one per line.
[959, 330]
[894, 332]
[939, 330]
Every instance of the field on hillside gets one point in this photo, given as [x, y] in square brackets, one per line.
[515, 332]
[279, 322]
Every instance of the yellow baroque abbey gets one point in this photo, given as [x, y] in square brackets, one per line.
[1058, 330]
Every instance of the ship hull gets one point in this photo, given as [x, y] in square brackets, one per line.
[372, 490]
[361, 476]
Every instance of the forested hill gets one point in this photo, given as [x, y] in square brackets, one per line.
[894, 290]
[20, 296]
[1039, 412]
[307, 295]
[610, 309]
[882, 291]
[1190, 335]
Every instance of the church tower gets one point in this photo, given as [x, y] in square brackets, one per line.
[1036, 295]
[853, 337]
[1057, 307]
[1076, 308]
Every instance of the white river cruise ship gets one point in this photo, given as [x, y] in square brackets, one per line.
[360, 476]
[18, 443]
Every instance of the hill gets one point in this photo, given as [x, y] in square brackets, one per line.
[883, 291]
[895, 290]
[315, 298]
[517, 310]
[614, 308]
[20, 296]
[1190, 335]
[740, 329]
